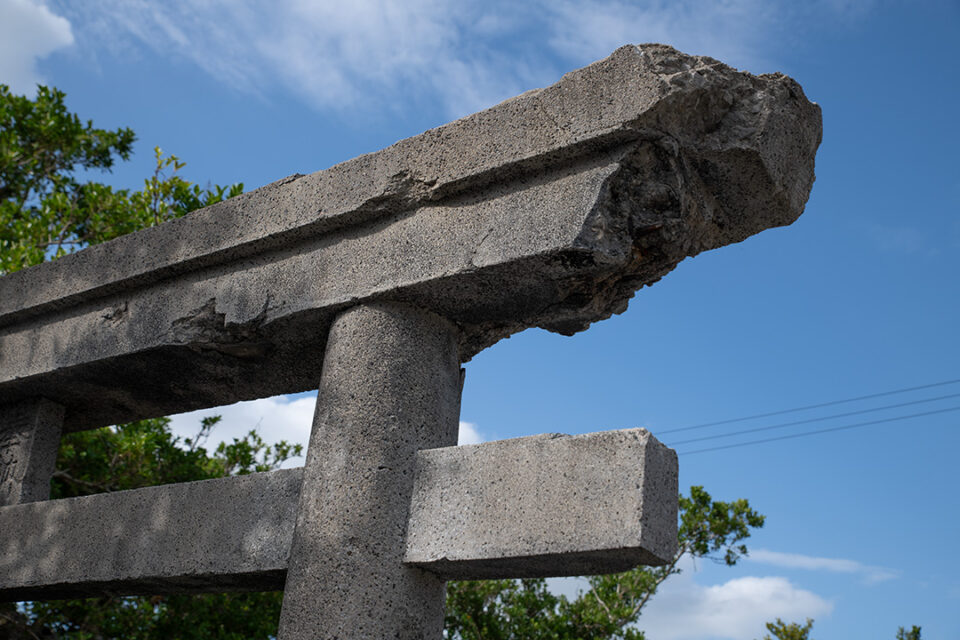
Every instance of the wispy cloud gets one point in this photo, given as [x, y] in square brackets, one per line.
[902, 240]
[337, 56]
[29, 31]
[869, 574]
[734, 32]
[369, 54]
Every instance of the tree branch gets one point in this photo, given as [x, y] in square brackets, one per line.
[20, 625]
[84, 483]
[671, 569]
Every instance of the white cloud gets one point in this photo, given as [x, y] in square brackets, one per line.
[279, 418]
[735, 610]
[337, 55]
[28, 31]
[469, 434]
[870, 574]
[366, 55]
[738, 609]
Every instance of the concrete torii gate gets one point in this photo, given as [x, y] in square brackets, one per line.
[378, 277]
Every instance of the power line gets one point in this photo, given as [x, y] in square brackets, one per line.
[811, 406]
[811, 433]
[809, 420]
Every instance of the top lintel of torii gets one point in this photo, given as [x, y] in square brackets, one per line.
[550, 209]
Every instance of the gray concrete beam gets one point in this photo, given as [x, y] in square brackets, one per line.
[547, 505]
[550, 209]
[543, 505]
[214, 535]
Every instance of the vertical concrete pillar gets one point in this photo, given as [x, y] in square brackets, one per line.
[29, 439]
[390, 386]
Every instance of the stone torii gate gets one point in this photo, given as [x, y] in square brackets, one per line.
[378, 277]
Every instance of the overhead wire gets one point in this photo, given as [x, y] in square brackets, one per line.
[784, 425]
[819, 431]
[811, 406]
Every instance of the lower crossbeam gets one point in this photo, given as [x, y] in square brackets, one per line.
[538, 506]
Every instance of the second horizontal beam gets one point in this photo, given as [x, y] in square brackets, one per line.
[538, 506]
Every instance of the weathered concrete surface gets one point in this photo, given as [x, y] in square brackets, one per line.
[390, 387]
[547, 505]
[550, 209]
[214, 535]
[29, 439]
[615, 498]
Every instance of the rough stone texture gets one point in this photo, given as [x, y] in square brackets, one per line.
[29, 439]
[548, 505]
[547, 210]
[214, 535]
[390, 386]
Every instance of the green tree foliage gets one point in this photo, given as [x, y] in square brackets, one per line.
[610, 607]
[146, 453]
[780, 630]
[48, 209]
[913, 634]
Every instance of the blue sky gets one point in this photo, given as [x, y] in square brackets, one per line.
[858, 297]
